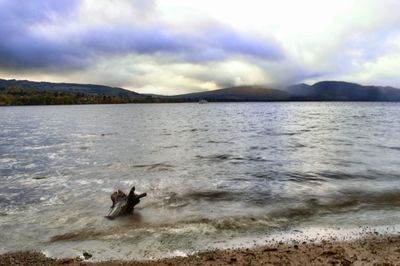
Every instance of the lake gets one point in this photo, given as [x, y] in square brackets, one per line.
[216, 175]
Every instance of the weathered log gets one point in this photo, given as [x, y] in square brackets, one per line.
[124, 204]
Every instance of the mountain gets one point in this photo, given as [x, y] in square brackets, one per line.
[24, 92]
[321, 91]
[66, 87]
[240, 94]
[342, 91]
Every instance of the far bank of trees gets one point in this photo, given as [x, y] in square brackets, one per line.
[24, 96]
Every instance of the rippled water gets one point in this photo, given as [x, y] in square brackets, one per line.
[212, 172]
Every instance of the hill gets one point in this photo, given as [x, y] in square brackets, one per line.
[342, 91]
[24, 92]
[66, 87]
[241, 94]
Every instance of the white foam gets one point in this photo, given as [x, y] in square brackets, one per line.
[178, 253]
[315, 234]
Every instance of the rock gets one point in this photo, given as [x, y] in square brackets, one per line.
[346, 262]
[328, 253]
[270, 249]
[66, 261]
[87, 255]
[334, 262]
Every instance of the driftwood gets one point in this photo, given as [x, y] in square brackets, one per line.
[124, 204]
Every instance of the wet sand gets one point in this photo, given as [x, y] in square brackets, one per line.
[375, 249]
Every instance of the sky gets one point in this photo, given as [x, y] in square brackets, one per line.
[180, 46]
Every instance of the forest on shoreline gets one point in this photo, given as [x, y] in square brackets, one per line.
[23, 96]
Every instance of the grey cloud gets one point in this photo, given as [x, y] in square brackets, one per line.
[26, 47]
[21, 46]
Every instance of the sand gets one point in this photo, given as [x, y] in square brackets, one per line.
[371, 250]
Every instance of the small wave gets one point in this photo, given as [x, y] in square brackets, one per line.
[389, 147]
[388, 198]
[242, 222]
[155, 167]
[84, 136]
[301, 177]
[231, 158]
[285, 134]
[299, 145]
[255, 198]
[338, 175]
[250, 159]
[258, 148]
[37, 147]
[170, 147]
[195, 130]
[215, 157]
[190, 130]
[324, 176]
[108, 134]
[210, 195]
[256, 159]
[262, 175]
[219, 142]
[298, 211]
[40, 177]
[175, 201]
[9, 161]
[124, 227]
[346, 201]
[78, 235]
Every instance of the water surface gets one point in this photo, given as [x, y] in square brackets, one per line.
[213, 173]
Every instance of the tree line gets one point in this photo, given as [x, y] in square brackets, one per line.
[33, 96]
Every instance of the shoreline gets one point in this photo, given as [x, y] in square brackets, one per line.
[374, 249]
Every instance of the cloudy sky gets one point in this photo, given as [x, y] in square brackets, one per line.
[178, 46]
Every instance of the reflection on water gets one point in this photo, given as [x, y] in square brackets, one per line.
[212, 172]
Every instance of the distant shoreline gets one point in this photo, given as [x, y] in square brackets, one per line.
[375, 249]
[24, 92]
[194, 102]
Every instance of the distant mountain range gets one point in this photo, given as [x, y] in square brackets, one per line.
[238, 94]
[17, 92]
[343, 91]
[321, 91]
